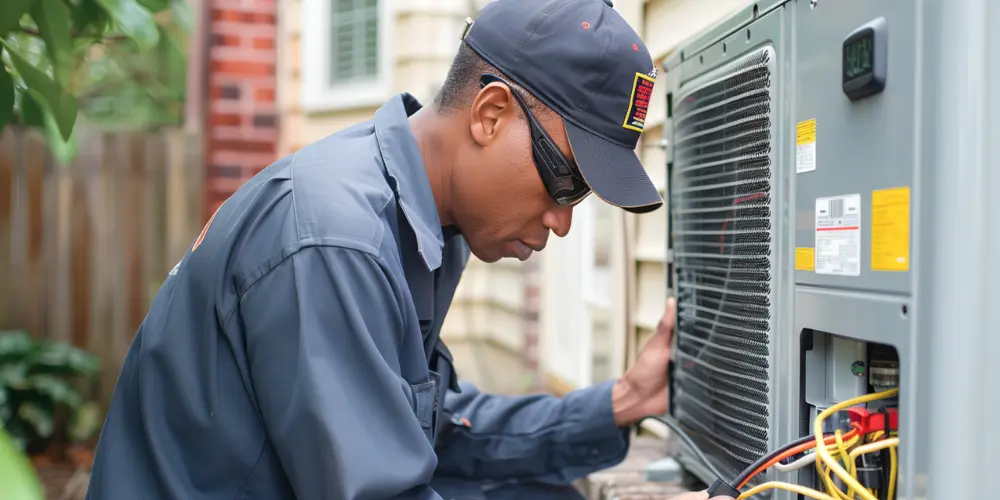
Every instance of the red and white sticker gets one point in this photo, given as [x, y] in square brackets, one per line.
[638, 104]
[838, 235]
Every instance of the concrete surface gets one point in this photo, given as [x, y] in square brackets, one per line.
[628, 480]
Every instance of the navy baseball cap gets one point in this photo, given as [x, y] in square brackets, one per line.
[583, 61]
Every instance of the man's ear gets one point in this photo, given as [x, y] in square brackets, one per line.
[490, 112]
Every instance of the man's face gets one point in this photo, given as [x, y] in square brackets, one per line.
[501, 204]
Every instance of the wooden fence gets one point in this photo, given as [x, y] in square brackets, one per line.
[84, 247]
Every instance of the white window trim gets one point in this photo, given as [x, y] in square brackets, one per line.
[317, 94]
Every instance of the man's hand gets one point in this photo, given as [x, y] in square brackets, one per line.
[699, 495]
[642, 391]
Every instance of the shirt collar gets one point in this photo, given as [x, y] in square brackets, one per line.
[405, 167]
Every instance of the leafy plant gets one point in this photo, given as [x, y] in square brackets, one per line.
[61, 57]
[36, 389]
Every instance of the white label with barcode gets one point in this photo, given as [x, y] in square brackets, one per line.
[838, 235]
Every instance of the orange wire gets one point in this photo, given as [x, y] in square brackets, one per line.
[795, 451]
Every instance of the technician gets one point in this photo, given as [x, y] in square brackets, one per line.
[294, 352]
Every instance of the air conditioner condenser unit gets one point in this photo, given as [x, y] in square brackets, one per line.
[831, 168]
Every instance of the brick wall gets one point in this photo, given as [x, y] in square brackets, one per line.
[242, 123]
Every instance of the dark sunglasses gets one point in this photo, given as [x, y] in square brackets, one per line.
[560, 176]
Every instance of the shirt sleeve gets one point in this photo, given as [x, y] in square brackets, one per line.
[535, 437]
[323, 332]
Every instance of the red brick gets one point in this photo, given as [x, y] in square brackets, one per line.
[225, 91]
[243, 67]
[239, 107]
[262, 43]
[264, 94]
[243, 54]
[226, 15]
[220, 40]
[222, 133]
[243, 29]
[260, 18]
[241, 145]
[216, 119]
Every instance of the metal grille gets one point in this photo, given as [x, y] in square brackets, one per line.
[722, 216]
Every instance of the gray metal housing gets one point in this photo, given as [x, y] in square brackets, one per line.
[933, 129]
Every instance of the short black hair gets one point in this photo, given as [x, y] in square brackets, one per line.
[462, 82]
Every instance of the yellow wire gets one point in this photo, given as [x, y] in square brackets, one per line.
[892, 473]
[890, 443]
[824, 454]
[831, 488]
[778, 485]
[848, 463]
[873, 447]
[824, 473]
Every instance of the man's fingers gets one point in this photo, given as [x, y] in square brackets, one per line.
[671, 306]
[698, 495]
[666, 325]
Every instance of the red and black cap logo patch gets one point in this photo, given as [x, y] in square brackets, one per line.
[638, 104]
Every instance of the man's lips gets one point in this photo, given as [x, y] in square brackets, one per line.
[533, 246]
[523, 250]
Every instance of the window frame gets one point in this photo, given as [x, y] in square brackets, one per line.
[318, 94]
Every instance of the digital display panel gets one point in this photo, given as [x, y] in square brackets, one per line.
[864, 65]
[859, 55]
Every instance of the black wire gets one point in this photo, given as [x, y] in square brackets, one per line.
[767, 458]
[676, 427]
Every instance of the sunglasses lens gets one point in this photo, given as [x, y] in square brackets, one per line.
[571, 197]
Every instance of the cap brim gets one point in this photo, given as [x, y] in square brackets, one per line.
[614, 172]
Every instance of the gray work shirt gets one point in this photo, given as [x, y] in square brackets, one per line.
[294, 351]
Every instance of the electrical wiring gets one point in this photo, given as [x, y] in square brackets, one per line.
[800, 463]
[789, 450]
[850, 459]
[892, 473]
[823, 455]
[809, 458]
[778, 485]
[848, 462]
[873, 447]
[831, 488]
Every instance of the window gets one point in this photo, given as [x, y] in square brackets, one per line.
[353, 41]
[345, 60]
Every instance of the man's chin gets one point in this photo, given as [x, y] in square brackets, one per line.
[487, 257]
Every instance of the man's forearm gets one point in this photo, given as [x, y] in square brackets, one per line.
[539, 437]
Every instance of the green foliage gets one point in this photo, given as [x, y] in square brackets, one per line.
[18, 479]
[118, 62]
[36, 388]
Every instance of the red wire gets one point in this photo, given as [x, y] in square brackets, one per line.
[795, 451]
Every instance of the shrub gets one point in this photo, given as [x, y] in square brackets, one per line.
[38, 395]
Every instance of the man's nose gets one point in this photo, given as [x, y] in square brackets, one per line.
[559, 220]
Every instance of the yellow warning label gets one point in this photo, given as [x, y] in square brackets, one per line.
[805, 259]
[805, 132]
[891, 229]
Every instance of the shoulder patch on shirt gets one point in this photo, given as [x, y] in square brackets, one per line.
[638, 103]
[204, 230]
